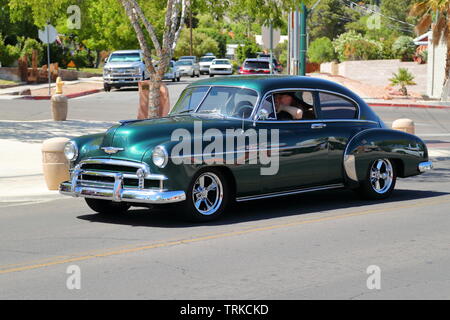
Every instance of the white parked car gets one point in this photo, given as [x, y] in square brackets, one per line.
[220, 67]
[188, 67]
[205, 63]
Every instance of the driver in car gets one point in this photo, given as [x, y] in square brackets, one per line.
[284, 105]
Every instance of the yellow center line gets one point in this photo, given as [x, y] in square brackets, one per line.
[167, 243]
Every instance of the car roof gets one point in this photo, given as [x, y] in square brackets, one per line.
[127, 51]
[265, 83]
[256, 60]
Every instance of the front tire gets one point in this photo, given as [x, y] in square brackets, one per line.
[106, 87]
[380, 179]
[107, 207]
[208, 196]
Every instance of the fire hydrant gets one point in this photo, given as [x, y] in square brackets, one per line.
[59, 102]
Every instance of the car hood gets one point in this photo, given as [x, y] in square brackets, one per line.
[138, 137]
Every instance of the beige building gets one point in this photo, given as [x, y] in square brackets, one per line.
[436, 68]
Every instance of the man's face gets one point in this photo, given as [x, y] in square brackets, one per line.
[285, 100]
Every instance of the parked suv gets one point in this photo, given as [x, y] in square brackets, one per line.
[124, 68]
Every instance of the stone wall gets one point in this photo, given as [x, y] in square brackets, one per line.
[378, 72]
[11, 74]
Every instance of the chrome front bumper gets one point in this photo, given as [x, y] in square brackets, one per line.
[126, 195]
[425, 166]
[116, 191]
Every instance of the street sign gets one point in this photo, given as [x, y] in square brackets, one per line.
[266, 37]
[48, 35]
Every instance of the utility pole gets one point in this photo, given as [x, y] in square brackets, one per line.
[190, 27]
[303, 44]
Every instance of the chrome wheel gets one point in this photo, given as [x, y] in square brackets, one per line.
[207, 193]
[381, 176]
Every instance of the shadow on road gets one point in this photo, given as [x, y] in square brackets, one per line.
[325, 201]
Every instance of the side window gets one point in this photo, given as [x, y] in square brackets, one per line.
[336, 107]
[267, 105]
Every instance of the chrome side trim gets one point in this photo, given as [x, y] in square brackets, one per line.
[425, 166]
[286, 193]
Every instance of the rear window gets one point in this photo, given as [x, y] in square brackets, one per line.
[336, 107]
[256, 65]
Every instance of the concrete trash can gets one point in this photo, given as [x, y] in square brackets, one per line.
[59, 107]
[405, 125]
[54, 163]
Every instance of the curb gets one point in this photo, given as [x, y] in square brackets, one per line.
[400, 105]
[69, 96]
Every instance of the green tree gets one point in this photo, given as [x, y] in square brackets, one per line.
[202, 44]
[321, 50]
[402, 78]
[404, 48]
[249, 50]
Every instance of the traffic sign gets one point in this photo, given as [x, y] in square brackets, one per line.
[48, 35]
[266, 37]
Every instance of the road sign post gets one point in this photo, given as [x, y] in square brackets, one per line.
[48, 36]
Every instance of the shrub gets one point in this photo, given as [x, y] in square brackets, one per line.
[82, 59]
[321, 50]
[8, 54]
[404, 48]
[28, 45]
[353, 46]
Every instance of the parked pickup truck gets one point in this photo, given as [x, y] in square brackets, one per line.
[124, 68]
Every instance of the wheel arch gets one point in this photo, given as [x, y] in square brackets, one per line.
[404, 149]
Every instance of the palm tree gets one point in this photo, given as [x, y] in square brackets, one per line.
[403, 78]
[435, 14]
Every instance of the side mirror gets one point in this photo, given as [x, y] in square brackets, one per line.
[106, 60]
[263, 114]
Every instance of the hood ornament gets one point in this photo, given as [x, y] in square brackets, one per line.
[111, 150]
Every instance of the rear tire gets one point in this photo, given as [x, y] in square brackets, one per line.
[379, 182]
[107, 207]
[107, 87]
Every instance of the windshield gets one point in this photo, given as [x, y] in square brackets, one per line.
[206, 59]
[124, 57]
[225, 101]
[221, 62]
[189, 100]
[229, 102]
[184, 63]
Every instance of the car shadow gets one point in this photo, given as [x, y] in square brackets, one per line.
[258, 210]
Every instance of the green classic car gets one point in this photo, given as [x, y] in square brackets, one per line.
[243, 138]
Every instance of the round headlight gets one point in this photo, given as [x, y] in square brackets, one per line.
[71, 151]
[160, 156]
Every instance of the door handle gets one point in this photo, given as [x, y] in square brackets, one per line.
[318, 125]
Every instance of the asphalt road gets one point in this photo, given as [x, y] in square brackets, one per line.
[316, 245]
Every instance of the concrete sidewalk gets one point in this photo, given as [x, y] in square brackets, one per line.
[70, 88]
[21, 178]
